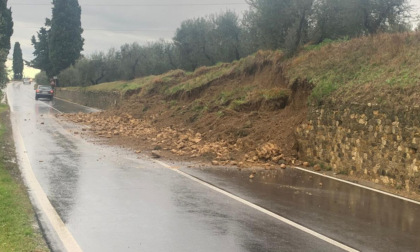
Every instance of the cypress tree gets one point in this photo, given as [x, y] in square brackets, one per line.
[17, 62]
[6, 25]
[6, 31]
[65, 36]
[41, 52]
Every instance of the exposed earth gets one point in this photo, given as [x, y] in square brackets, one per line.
[242, 140]
[227, 121]
[143, 136]
[243, 114]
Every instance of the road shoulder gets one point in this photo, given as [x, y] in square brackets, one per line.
[19, 229]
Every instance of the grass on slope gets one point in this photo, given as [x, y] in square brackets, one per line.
[366, 68]
[381, 61]
[16, 214]
[121, 86]
[145, 83]
[200, 77]
[179, 80]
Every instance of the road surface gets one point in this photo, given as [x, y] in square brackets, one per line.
[92, 197]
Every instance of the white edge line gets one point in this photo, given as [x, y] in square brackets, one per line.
[304, 170]
[300, 227]
[53, 108]
[97, 110]
[358, 185]
[256, 207]
[56, 222]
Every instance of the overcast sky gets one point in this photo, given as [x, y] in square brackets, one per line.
[110, 23]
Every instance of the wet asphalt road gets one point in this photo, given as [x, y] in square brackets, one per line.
[111, 199]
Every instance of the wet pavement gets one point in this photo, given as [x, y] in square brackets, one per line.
[111, 199]
[368, 220]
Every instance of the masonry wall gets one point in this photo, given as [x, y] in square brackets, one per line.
[95, 99]
[366, 140]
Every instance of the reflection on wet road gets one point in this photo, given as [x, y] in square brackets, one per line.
[112, 200]
[367, 220]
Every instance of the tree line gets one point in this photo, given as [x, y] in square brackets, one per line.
[6, 32]
[269, 25]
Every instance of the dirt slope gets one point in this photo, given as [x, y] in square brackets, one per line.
[246, 113]
[239, 113]
[238, 108]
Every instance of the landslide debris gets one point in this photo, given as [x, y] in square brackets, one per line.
[142, 135]
[229, 114]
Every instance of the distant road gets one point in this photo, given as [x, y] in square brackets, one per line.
[92, 197]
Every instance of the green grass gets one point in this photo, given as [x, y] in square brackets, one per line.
[325, 167]
[121, 86]
[382, 61]
[16, 214]
[358, 70]
[144, 83]
[237, 103]
[274, 93]
[200, 77]
[325, 42]
[227, 96]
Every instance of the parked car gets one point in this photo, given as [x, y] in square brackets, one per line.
[43, 91]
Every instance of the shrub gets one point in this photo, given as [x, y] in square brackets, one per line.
[42, 78]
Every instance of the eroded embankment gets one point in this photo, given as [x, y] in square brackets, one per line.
[241, 113]
[361, 120]
[379, 143]
[364, 115]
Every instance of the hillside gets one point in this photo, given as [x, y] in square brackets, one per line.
[380, 69]
[248, 111]
[221, 113]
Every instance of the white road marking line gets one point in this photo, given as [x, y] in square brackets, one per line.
[164, 164]
[358, 185]
[94, 109]
[41, 198]
[53, 108]
[300, 227]
[326, 176]
[256, 207]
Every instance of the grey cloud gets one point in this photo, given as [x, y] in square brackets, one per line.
[112, 26]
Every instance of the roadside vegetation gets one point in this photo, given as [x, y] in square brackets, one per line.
[179, 84]
[341, 70]
[246, 113]
[373, 65]
[6, 31]
[17, 219]
[18, 65]
[286, 25]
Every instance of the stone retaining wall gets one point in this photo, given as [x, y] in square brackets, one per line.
[95, 99]
[365, 140]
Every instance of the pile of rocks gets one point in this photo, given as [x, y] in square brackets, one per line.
[104, 126]
[182, 142]
[268, 152]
